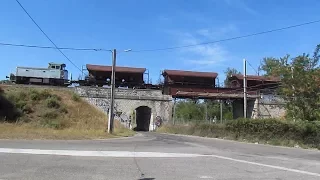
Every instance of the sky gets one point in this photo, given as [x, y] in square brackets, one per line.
[153, 24]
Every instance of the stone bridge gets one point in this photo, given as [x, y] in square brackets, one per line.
[134, 108]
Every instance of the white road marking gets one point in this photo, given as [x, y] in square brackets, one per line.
[266, 165]
[142, 155]
[97, 153]
[206, 177]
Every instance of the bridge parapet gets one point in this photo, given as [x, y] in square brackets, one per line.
[138, 94]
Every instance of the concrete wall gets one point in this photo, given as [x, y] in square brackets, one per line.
[266, 106]
[269, 106]
[127, 100]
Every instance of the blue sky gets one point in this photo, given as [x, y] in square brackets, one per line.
[149, 24]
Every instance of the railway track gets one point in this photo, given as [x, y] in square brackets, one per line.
[34, 86]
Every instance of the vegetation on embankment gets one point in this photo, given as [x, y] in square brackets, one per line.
[265, 131]
[39, 113]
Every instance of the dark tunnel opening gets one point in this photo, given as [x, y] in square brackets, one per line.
[143, 115]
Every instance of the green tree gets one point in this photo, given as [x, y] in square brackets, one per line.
[228, 72]
[191, 110]
[272, 66]
[300, 80]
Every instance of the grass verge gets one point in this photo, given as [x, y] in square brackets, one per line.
[38, 113]
[263, 131]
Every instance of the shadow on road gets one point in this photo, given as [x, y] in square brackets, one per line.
[147, 179]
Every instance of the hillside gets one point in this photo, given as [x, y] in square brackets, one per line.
[42, 113]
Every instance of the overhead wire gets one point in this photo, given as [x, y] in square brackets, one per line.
[47, 35]
[51, 47]
[146, 50]
[252, 67]
[229, 39]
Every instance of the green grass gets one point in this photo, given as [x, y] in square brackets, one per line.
[265, 131]
[37, 113]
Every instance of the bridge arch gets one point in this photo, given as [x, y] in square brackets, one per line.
[143, 118]
[144, 115]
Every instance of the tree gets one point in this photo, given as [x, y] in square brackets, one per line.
[273, 66]
[191, 110]
[300, 80]
[228, 72]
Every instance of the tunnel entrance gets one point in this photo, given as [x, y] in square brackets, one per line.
[143, 115]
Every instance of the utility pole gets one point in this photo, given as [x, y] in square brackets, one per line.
[113, 75]
[220, 111]
[205, 104]
[294, 119]
[174, 111]
[148, 78]
[244, 88]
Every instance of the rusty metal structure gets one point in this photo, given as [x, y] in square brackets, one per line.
[254, 82]
[191, 84]
[125, 76]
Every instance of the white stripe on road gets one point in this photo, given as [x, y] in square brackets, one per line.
[141, 154]
[206, 177]
[266, 165]
[96, 153]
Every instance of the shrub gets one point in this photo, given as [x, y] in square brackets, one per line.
[27, 109]
[50, 115]
[35, 95]
[51, 120]
[75, 97]
[54, 123]
[45, 94]
[20, 104]
[277, 132]
[271, 129]
[21, 96]
[56, 96]
[64, 110]
[52, 102]
[8, 110]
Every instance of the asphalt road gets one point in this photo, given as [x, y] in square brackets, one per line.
[151, 156]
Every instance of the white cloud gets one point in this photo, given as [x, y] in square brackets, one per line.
[217, 33]
[203, 55]
[208, 55]
[240, 4]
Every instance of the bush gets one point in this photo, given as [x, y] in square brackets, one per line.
[51, 120]
[50, 115]
[45, 94]
[64, 110]
[35, 95]
[307, 133]
[54, 123]
[21, 96]
[8, 110]
[20, 104]
[276, 132]
[75, 97]
[27, 109]
[52, 102]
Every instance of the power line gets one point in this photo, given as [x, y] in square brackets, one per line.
[252, 67]
[229, 39]
[51, 47]
[46, 35]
